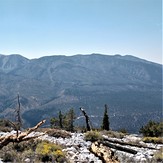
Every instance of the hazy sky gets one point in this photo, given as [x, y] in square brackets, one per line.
[35, 28]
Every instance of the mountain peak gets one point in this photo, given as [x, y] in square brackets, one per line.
[12, 62]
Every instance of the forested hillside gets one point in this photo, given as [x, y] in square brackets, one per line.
[131, 87]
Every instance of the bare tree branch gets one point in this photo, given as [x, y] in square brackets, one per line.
[4, 140]
[15, 127]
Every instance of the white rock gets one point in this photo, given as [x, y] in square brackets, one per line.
[27, 160]
[72, 149]
[2, 133]
[70, 153]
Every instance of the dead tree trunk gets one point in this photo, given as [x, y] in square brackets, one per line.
[18, 117]
[88, 125]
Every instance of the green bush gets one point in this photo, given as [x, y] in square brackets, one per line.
[114, 134]
[123, 130]
[93, 136]
[156, 140]
[152, 129]
[38, 150]
[9, 156]
[58, 133]
[4, 123]
[5, 126]
[47, 151]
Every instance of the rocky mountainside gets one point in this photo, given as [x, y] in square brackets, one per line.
[127, 148]
[131, 87]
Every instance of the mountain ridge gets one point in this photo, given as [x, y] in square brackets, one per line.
[129, 85]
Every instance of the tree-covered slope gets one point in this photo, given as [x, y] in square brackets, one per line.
[131, 87]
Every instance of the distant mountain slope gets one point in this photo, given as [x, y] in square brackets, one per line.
[132, 87]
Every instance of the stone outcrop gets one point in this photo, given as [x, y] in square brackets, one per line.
[80, 151]
[77, 149]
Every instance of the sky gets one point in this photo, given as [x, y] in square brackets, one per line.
[35, 28]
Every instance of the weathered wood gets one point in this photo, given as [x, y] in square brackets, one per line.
[127, 143]
[18, 118]
[86, 119]
[118, 147]
[18, 137]
[15, 127]
[105, 154]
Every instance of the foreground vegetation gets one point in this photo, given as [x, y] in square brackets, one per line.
[152, 129]
[35, 150]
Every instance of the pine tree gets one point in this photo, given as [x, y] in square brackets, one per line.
[105, 123]
[152, 129]
[72, 117]
[69, 120]
[54, 122]
[60, 119]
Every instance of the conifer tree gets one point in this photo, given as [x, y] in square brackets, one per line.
[72, 117]
[69, 120]
[105, 123]
[60, 119]
[54, 122]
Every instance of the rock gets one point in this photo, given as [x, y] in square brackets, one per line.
[72, 149]
[138, 157]
[76, 148]
[2, 133]
[131, 138]
[70, 153]
[27, 160]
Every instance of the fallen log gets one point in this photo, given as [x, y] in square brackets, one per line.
[20, 136]
[127, 143]
[118, 147]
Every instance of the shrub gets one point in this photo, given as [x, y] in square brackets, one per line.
[159, 155]
[38, 150]
[27, 154]
[93, 136]
[5, 129]
[9, 156]
[123, 130]
[5, 126]
[47, 151]
[59, 133]
[152, 129]
[4, 123]
[156, 140]
[114, 134]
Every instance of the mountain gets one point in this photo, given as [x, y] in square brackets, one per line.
[132, 88]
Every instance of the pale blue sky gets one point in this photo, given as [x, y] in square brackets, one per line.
[35, 28]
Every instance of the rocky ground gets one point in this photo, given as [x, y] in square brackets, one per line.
[80, 151]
